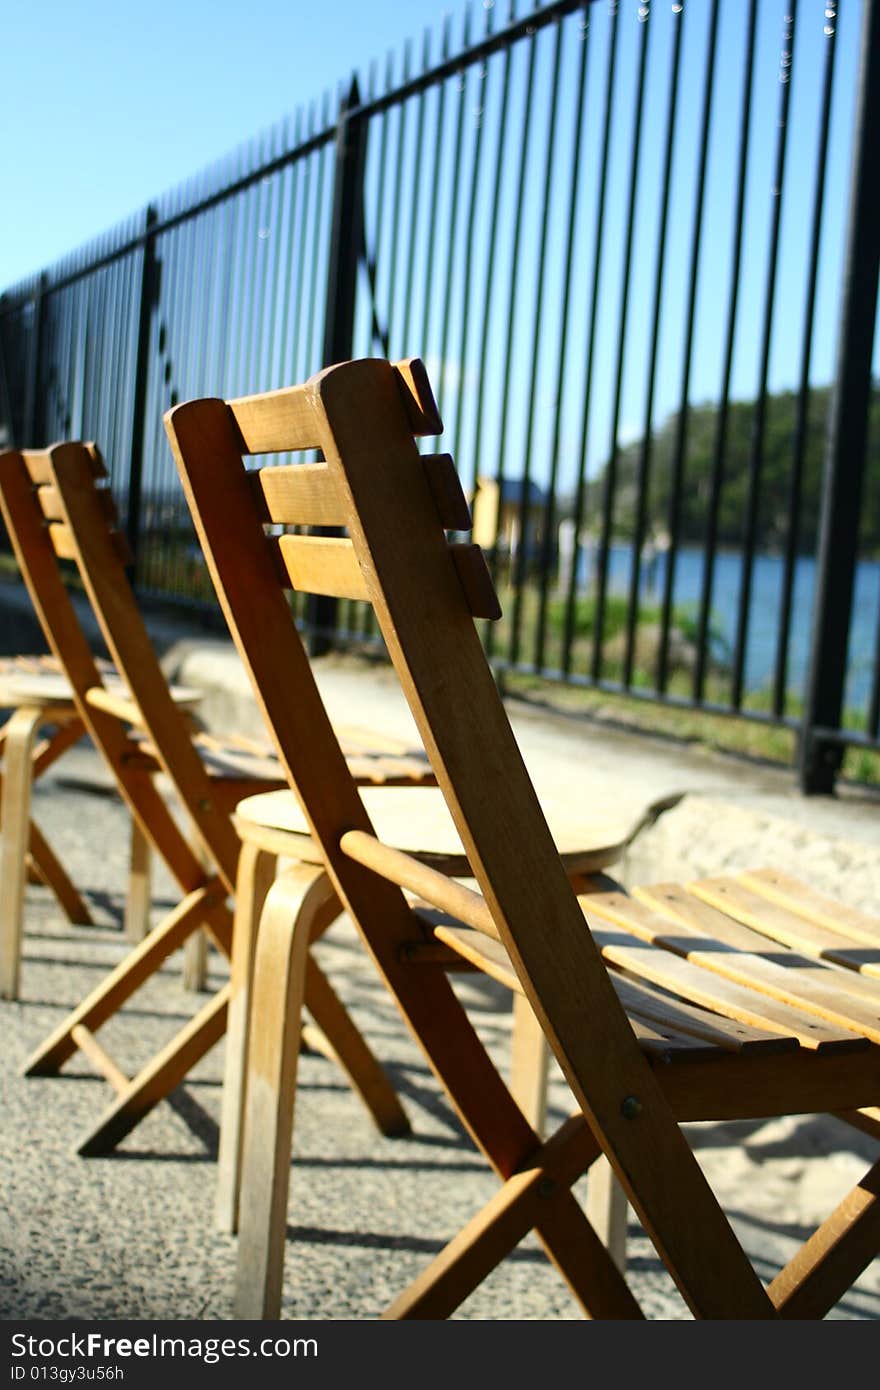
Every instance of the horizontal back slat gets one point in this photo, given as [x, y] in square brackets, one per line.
[39, 466]
[52, 509]
[328, 565]
[304, 494]
[65, 548]
[299, 494]
[449, 499]
[322, 565]
[476, 581]
[418, 397]
[276, 421]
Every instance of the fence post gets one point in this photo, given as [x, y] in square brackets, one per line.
[32, 383]
[346, 241]
[149, 297]
[820, 753]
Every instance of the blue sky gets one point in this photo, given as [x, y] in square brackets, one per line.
[109, 102]
[109, 105]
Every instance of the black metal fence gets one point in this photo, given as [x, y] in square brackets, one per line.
[637, 246]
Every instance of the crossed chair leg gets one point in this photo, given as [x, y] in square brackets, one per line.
[333, 1032]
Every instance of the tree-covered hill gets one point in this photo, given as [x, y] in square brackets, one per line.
[774, 498]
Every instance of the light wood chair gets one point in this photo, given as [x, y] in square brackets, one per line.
[56, 506]
[738, 997]
[417, 822]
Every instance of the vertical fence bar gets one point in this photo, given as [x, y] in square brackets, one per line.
[32, 378]
[800, 429]
[488, 292]
[819, 756]
[346, 239]
[680, 448]
[580, 496]
[523, 564]
[149, 296]
[873, 720]
[604, 552]
[644, 464]
[549, 524]
[452, 224]
[526, 129]
[415, 202]
[720, 445]
[759, 418]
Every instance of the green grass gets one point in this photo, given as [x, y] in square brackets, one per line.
[729, 733]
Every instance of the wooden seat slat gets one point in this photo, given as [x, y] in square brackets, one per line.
[696, 1030]
[839, 987]
[791, 988]
[814, 906]
[782, 924]
[702, 985]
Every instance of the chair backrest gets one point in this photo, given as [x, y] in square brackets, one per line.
[58, 506]
[396, 507]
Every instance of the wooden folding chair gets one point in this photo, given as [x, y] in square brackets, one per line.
[731, 998]
[56, 507]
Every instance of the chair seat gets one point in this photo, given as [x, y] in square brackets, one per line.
[370, 760]
[35, 681]
[417, 821]
[39, 681]
[745, 965]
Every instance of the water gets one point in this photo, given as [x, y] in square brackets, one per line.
[764, 610]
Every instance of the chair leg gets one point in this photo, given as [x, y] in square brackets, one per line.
[139, 895]
[195, 962]
[835, 1255]
[529, 1064]
[345, 1044]
[608, 1210]
[256, 870]
[278, 996]
[335, 1035]
[607, 1207]
[50, 871]
[195, 950]
[43, 864]
[21, 730]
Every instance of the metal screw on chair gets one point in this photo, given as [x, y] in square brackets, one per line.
[631, 1108]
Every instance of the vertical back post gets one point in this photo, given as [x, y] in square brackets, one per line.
[820, 756]
[346, 241]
